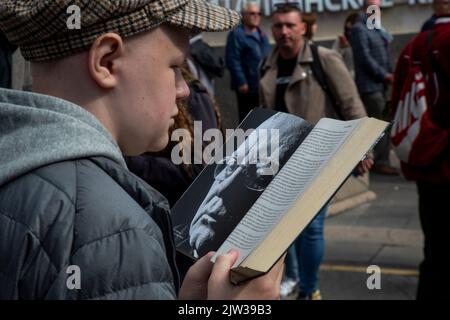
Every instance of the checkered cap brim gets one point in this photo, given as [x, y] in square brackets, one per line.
[40, 27]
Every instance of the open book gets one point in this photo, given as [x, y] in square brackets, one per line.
[267, 187]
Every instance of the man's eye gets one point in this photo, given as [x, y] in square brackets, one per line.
[177, 71]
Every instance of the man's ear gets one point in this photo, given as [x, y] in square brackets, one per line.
[103, 59]
[303, 28]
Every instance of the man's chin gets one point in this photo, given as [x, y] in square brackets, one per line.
[159, 145]
[286, 44]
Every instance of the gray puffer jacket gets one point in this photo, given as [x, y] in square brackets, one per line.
[67, 199]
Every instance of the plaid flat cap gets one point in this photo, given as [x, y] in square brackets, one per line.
[47, 29]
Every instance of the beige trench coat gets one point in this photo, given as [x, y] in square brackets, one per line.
[304, 96]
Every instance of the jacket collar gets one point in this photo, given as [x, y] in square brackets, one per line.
[304, 56]
[250, 34]
[442, 19]
[363, 17]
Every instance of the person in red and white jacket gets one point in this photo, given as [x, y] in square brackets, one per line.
[429, 160]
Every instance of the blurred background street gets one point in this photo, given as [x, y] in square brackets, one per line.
[385, 232]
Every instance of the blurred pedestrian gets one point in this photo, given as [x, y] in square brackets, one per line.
[205, 63]
[440, 7]
[312, 82]
[429, 158]
[310, 21]
[247, 46]
[373, 73]
[342, 43]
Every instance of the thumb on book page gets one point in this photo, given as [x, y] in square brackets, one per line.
[223, 264]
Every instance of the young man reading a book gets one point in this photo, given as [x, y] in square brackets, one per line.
[67, 200]
[290, 83]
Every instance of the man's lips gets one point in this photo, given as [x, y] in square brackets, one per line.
[173, 116]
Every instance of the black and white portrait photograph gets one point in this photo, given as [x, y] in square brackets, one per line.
[228, 188]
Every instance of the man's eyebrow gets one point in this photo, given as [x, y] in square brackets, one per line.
[181, 57]
[184, 53]
[284, 23]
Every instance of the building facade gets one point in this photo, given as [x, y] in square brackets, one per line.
[400, 17]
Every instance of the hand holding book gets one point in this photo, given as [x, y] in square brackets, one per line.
[206, 280]
[229, 206]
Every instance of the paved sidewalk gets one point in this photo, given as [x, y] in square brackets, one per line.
[385, 232]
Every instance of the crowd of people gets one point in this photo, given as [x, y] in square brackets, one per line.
[86, 176]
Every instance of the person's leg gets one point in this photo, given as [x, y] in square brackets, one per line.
[241, 101]
[246, 102]
[375, 103]
[435, 220]
[291, 264]
[310, 249]
[253, 100]
[291, 276]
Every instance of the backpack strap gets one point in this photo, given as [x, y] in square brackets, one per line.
[432, 59]
[430, 38]
[262, 68]
[320, 75]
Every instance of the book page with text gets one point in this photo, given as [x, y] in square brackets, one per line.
[289, 184]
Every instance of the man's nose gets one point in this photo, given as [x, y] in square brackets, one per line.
[182, 88]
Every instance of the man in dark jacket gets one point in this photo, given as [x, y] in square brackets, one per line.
[440, 8]
[373, 73]
[246, 47]
[74, 222]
